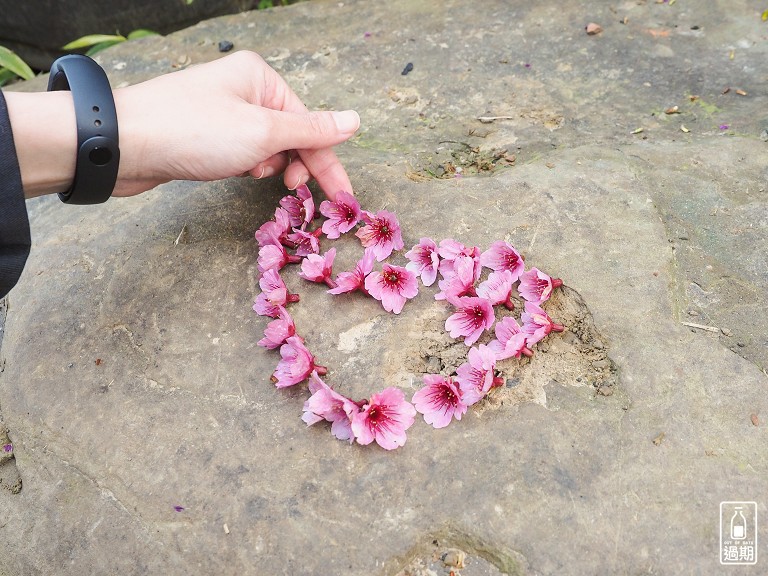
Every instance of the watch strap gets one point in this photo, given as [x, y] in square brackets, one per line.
[98, 151]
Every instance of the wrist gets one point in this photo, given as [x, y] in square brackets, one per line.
[45, 136]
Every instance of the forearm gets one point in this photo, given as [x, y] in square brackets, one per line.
[45, 135]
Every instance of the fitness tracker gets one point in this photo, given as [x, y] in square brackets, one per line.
[98, 153]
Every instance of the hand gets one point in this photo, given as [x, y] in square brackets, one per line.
[230, 117]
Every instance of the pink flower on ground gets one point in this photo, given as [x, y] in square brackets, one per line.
[296, 365]
[424, 260]
[450, 250]
[274, 257]
[300, 208]
[278, 331]
[511, 340]
[440, 400]
[274, 231]
[306, 243]
[461, 282]
[274, 295]
[392, 286]
[536, 286]
[472, 317]
[498, 289]
[327, 404]
[381, 233]
[537, 323]
[476, 377]
[355, 280]
[343, 214]
[503, 256]
[316, 268]
[385, 418]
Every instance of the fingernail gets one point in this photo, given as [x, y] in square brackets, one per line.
[347, 122]
[267, 172]
[261, 174]
[298, 183]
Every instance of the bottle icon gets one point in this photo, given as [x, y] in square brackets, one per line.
[738, 525]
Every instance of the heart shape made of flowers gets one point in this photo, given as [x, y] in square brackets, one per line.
[472, 297]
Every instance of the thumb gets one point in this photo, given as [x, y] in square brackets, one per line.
[311, 130]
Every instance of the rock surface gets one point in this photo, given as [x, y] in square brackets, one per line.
[145, 429]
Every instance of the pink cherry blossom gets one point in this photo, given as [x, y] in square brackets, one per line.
[343, 214]
[274, 294]
[306, 243]
[392, 286]
[381, 233]
[278, 331]
[536, 286]
[440, 400]
[460, 282]
[274, 231]
[384, 418]
[355, 280]
[511, 340]
[473, 316]
[424, 260]
[503, 256]
[327, 404]
[537, 323]
[450, 250]
[296, 365]
[274, 257]
[476, 377]
[316, 268]
[300, 208]
[497, 289]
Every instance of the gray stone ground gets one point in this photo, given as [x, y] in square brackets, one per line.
[132, 382]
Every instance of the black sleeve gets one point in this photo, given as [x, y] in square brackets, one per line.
[15, 240]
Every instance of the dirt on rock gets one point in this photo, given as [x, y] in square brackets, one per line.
[576, 357]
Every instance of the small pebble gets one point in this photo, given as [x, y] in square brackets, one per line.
[740, 344]
[225, 46]
[593, 28]
[755, 420]
[454, 558]
[408, 68]
[726, 332]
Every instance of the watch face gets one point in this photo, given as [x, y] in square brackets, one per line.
[100, 155]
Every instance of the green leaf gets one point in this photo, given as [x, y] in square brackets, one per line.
[188, 2]
[101, 46]
[264, 4]
[15, 64]
[6, 76]
[93, 39]
[141, 33]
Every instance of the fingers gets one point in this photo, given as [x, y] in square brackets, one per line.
[327, 171]
[291, 127]
[311, 130]
[271, 166]
[313, 134]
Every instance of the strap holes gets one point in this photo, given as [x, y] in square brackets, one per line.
[97, 123]
[95, 108]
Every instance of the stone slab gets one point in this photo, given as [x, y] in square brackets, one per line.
[133, 384]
